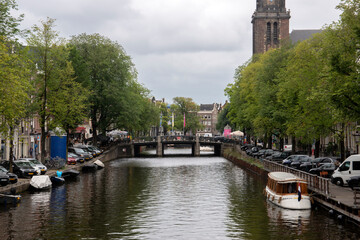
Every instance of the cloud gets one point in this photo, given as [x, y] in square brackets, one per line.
[179, 47]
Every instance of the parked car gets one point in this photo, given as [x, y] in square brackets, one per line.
[349, 168]
[325, 170]
[251, 151]
[259, 153]
[80, 152]
[4, 179]
[78, 158]
[71, 160]
[278, 156]
[96, 149]
[321, 160]
[268, 152]
[12, 177]
[306, 166]
[87, 149]
[40, 168]
[246, 146]
[21, 168]
[293, 158]
[354, 182]
[297, 162]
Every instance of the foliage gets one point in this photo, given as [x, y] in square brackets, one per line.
[307, 90]
[53, 82]
[8, 23]
[117, 99]
[223, 120]
[186, 107]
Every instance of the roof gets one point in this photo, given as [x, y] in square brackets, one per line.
[206, 107]
[284, 177]
[301, 35]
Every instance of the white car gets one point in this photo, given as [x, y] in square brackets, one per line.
[39, 167]
[349, 168]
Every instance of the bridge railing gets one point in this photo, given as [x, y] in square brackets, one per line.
[315, 183]
[144, 139]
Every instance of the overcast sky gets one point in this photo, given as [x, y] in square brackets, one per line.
[185, 48]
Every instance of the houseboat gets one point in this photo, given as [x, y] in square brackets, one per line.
[288, 191]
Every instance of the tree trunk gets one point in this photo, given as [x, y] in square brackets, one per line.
[342, 143]
[281, 144]
[11, 148]
[293, 143]
[317, 148]
[269, 140]
[94, 132]
[42, 144]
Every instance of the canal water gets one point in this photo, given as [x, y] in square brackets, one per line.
[164, 198]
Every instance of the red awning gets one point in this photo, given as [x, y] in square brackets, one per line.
[80, 129]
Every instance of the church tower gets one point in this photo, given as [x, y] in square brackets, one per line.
[270, 24]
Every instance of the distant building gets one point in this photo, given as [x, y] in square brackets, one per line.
[301, 35]
[270, 25]
[208, 118]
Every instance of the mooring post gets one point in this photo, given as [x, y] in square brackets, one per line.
[159, 150]
[197, 146]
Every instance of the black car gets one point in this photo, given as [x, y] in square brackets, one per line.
[296, 163]
[278, 156]
[79, 151]
[252, 150]
[325, 170]
[12, 177]
[354, 182]
[259, 153]
[21, 168]
[4, 179]
[321, 160]
[293, 158]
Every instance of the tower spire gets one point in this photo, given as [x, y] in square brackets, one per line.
[270, 24]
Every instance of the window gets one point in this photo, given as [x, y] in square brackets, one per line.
[356, 165]
[275, 33]
[268, 33]
[345, 166]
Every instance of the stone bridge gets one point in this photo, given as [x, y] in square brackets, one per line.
[161, 142]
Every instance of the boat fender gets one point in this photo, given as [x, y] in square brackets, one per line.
[273, 198]
[279, 199]
[340, 217]
[331, 212]
[312, 200]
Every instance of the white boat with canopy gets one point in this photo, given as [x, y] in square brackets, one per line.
[288, 191]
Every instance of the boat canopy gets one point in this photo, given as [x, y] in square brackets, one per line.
[283, 177]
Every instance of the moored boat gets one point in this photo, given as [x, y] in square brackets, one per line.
[57, 181]
[9, 198]
[90, 167]
[288, 191]
[70, 174]
[99, 164]
[41, 182]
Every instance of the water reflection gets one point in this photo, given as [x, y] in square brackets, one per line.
[164, 198]
[296, 219]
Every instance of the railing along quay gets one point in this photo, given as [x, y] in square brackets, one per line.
[315, 183]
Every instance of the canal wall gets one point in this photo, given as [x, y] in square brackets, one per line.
[238, 158]
[112, 153]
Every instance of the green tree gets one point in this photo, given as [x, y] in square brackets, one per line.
[52, 78]
[223, 120]
[117, 99]
[9, 25]
[185, 109]
[15, 89]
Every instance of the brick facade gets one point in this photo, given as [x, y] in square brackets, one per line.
[270, 25]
